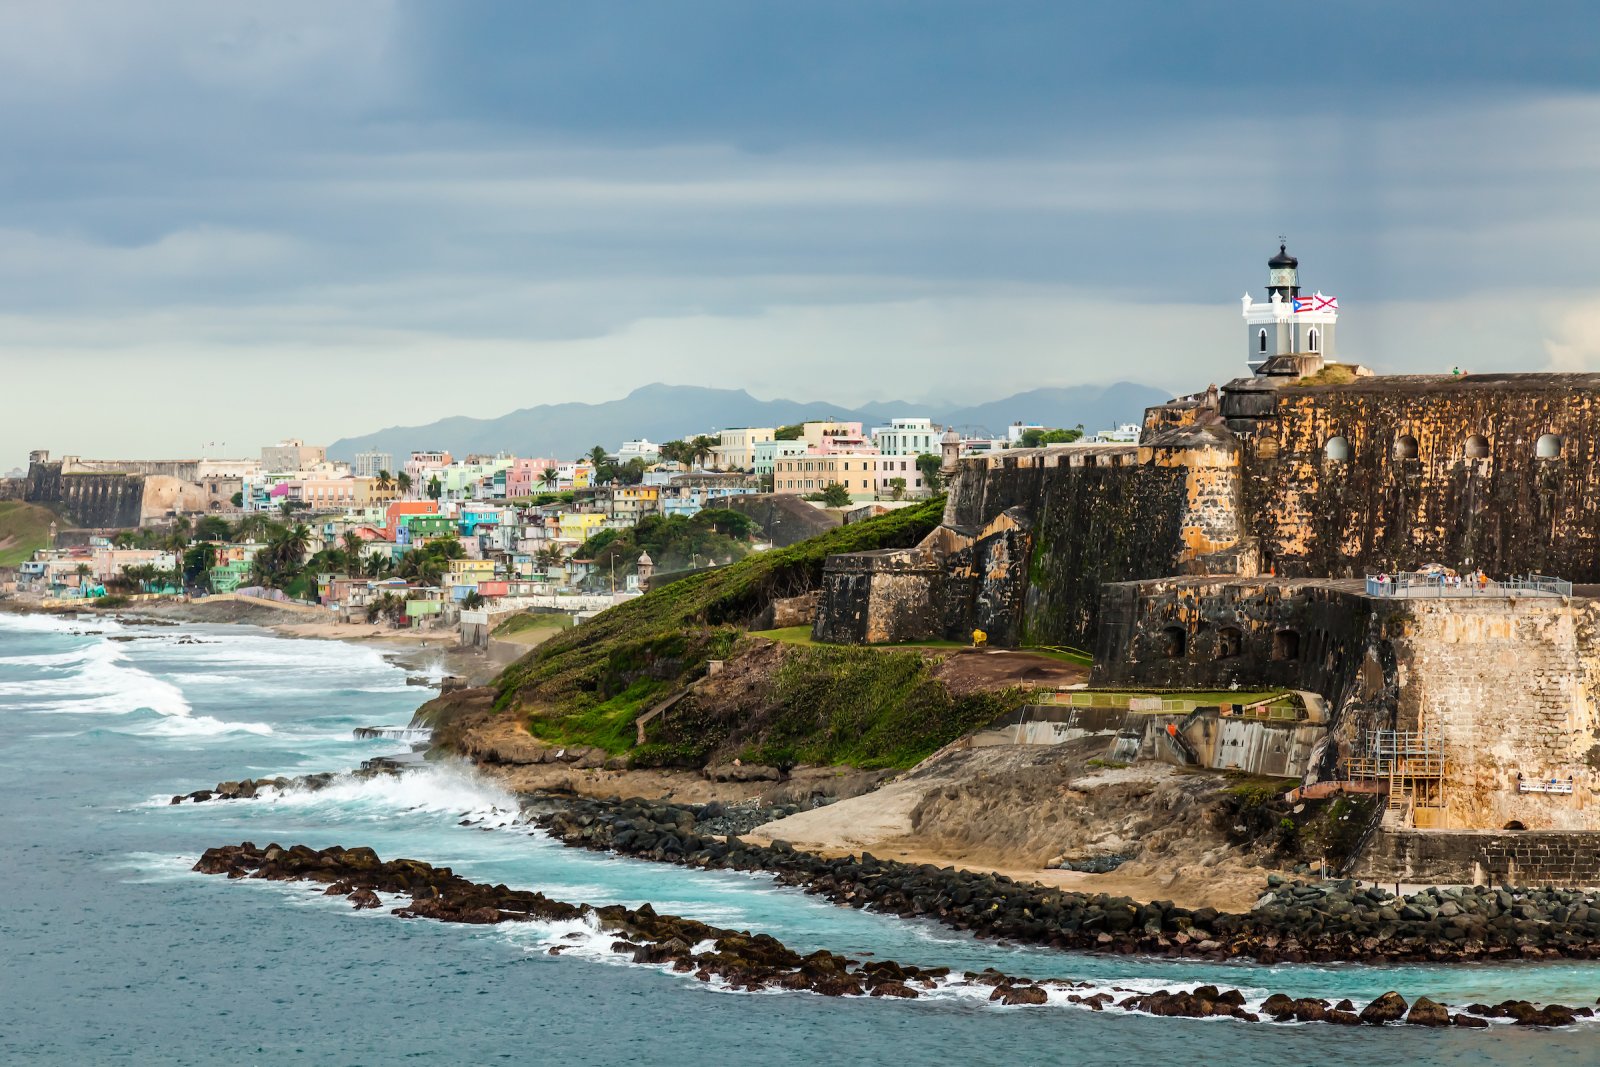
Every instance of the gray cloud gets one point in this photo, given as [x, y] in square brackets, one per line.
[351, 216]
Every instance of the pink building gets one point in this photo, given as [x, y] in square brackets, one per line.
[525, 478]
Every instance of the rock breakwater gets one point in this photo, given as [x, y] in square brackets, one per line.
[1293, 922]
[759, 962]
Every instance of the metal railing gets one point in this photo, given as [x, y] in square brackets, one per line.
[1465, 585]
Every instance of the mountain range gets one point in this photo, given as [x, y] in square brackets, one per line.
[668, 412]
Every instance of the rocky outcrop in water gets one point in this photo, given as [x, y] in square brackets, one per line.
[1293, 923]
[752, 962]
[250, 789]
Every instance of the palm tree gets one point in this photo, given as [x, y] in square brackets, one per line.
[354, 544]
[549, 477]
[701, 448]
[384, 481]
[597, 455]
[403, 480]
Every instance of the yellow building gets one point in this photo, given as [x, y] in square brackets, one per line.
[579, 525]
[813, 473]
[736, 447]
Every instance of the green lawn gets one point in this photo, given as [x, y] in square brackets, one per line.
[532, 621]
[801, 635]
[24, 528]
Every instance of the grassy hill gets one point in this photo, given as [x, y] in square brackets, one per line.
[588, 684]
[24, 528]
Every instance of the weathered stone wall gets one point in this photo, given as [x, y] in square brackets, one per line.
[1510, 684]
[1466, 857]
[1094, 525]
[881, 597]
[13, 488]
[1513, 686]
[89, 500]
[1213, 633]
[1410, 491]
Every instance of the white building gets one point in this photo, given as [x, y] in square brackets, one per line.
[1015, 431]
[1288, 323]
[640, 449]
[735, 449]
[907, 437]
[1125, 434]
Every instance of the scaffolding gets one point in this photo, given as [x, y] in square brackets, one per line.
[1411, 766]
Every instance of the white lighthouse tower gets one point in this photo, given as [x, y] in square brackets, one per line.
[1287, 322]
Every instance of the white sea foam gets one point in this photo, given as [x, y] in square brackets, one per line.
[451, 788]
[105, 683]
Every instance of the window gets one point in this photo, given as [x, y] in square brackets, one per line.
[1286, 645]
[1477, 447]
[1261, 342]
[1311, 340]
[1230, 641]
[1337, 449]
[1405, 447]
[1173, 642]
[1548, 446]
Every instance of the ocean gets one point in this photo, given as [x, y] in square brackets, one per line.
[113, 951]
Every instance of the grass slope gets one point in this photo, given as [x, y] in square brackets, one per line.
[828, 705]
[24, 528]
[587, 685]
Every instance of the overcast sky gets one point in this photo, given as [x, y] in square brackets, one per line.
[229, 222]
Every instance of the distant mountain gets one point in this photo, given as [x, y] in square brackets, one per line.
[1095, 407]
[667, 412]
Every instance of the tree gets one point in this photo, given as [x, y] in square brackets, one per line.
[549, 477]
[897, 488]
[1040, 438]
[354, 545]
[701, 448]
[790, 433]
[435, 488]
[212, 528]
[472, 601]
[833, 494]
[384, 482]
[677, 452]
[403, 481]
[930, 466]
[237, 499]
[597, 455]
[197, 564]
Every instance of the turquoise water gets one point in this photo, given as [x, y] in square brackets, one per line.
[113, 952]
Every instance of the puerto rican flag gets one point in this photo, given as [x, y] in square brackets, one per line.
[1316, 302]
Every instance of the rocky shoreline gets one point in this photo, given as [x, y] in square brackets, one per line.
[756, 962]
[1292, 923]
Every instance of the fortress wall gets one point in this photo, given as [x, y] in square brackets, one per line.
[186, 469]
[1569, 858]
[880, 597]
[13, 488]
[87, 500]
[1511, 511]
[1093, 525]
[1253, 633]
[1513, 685]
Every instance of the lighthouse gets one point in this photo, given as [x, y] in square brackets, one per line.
[1288, 322]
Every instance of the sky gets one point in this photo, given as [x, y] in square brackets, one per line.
[225, 224]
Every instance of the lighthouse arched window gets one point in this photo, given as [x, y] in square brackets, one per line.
[1261, 341]
[1311, 339]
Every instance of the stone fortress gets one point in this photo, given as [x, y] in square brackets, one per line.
[1237, 546]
